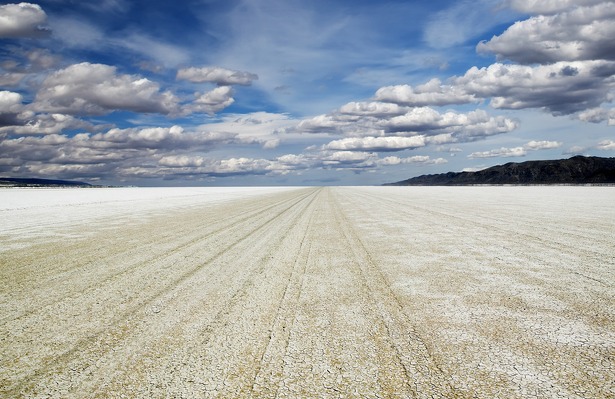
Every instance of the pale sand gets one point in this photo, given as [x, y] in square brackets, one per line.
[345, 292]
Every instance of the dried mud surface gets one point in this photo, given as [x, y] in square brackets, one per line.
[342, 292]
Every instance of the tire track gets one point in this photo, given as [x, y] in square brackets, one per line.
[423, 375]
[267, 378]
[160, 254]
[189, 364]
[500, 294]
[102, 290]
[495, 224]
[533, 244]
[101, 336]
[326, 293]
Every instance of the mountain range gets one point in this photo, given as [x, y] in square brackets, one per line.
[30, 182]
[576, 170]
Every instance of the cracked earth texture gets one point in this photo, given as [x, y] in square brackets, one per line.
[338, 292]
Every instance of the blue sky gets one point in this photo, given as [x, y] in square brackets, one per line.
[271, 92]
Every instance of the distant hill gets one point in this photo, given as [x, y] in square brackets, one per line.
[26, 182]
[575, 170]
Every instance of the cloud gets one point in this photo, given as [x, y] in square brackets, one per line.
[154, 48]
[415, 160]
[462, 127]
[127, 153]
[161, 138]
[549, 6]
[239, 166]
[77, 33]
[500, 153]
[97, 89]
[57, 155]
[607, 145]
[42, 124]
[369, 120]
[567, 64]
[22, 20]
[263, 128]
[581, 33]
[181, 161]
[217, 75]
[375, 108]
[559, 88]
[430, 93]
[8, 79]
[376, 143]
[598, 115]
[463, 21]
[542, 145]
[11, 108]
[575, 150]
[24, 64]
[133, 153]
[212, 101]
[10, 102]
[235, 166]
[329, 124]
[348, 159]
[516, 151]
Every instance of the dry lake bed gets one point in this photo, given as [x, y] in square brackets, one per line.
[337, 292]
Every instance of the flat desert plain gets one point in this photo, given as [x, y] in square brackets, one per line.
[335, 292]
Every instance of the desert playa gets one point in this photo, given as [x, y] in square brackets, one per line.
[335, 292]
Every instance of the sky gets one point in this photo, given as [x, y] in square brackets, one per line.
[290, 92]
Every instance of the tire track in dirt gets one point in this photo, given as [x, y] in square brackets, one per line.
[41, 292]
[316, 293]
[342, 339]
[99, 334]
[422, 372]
[547, 238]
[517, 251]
[495, 283]
[202, 353]
[171, 254]
[267, 378]
[533, 246]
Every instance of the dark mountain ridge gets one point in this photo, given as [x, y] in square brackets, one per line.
[28, 182]
[575, 170]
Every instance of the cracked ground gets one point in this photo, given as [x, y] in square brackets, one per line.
[337, 292]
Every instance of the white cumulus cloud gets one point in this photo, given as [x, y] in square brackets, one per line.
[376, 143]
[11, 108]
[220, 76]
[516, 151]
[607, 145]
[97, 89]
[500, 153]
[22, 20]
[582, 33]
[559, 88]
[373, 122]
[374, 108]
[45, 124]
[464, 126]
[430, 93]
[213, 101]
[598, 115]
[415, 160]
[181, 161]
[10, 102]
